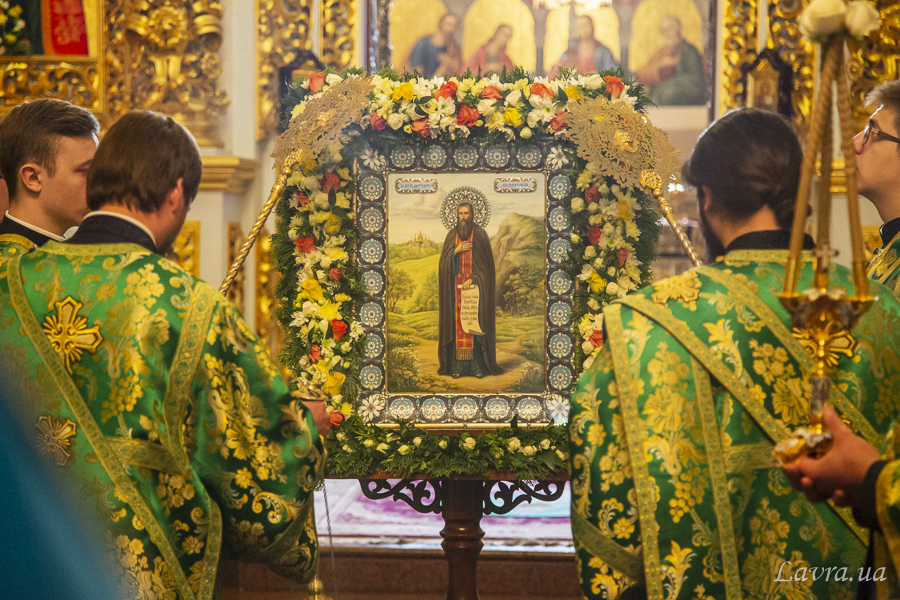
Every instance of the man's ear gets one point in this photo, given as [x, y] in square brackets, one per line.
[706, 199]
[174, 197]
[30, 175]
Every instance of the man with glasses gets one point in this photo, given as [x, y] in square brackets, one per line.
[878, 166]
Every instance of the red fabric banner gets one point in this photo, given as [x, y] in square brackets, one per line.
[64, 28]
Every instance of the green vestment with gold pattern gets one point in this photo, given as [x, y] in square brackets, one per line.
[885, 266]
[150, 390]
[672, 428]
[12, 245]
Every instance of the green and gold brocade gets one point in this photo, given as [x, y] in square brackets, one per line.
[672, 428]
[885, 266]
[12, 245]
[153, 393]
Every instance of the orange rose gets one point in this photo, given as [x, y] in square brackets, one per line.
[491, 92]
[421, 127]
[301, 198]
[306, 244]
[315, 354]
[448, 90]
[338, 329]
[539, 89]
[331, 182]
[623, 256]
[594, 233]
[596, 338]
[614, 85]
[316, 81]
[591, 194]
[378, 124]
[337, 417]
[467, 116]
[559, 121]
[336, 273]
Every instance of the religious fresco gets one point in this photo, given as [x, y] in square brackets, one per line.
[665, 44]
[466, 290]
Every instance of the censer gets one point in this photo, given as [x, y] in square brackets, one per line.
[823, 317]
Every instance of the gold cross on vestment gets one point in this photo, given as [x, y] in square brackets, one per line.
[69, 334]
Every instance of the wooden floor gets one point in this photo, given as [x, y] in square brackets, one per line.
[396, 574]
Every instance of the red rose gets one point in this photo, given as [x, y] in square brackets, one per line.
[316, 353]
[316, 81]
[338, 328]
[448, 90]
[541, 90]
[614, 85]
[491, 92]
[594, 233]
[378, 124]
[421, 127]
[306, 244]
[591, 194]
[337, 417]
[330, 182]
[336, 273]
[559, 121]
[467, 116]
[302, 198]
[623, 256]
[596, 338]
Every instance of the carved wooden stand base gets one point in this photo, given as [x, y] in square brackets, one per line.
[462, 502]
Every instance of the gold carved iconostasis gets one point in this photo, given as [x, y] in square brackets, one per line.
[178, 58]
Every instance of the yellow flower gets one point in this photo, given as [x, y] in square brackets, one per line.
[329, 311]
[342, 298]
[512, 117]
[403, 92]
[2, 19]
[596, 282]
[309, 164]
[15, 11]
[333, 224]
[624, 210]
[333, 384]
[313, 289]
[572, 92]
[522, 85]
[347, 409]
[495, 121]
[295, 178]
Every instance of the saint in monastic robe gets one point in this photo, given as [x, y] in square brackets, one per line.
[467, 262]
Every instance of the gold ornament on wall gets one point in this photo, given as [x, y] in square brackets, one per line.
[339, 23]
[267, 327]
[166, 59]
[875, 59]
[283, 29]
[186, 249]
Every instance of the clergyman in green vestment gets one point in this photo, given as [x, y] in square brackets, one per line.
[878, 163]
[46, 147]
[148, 387]
[674, 492]
[856, 472]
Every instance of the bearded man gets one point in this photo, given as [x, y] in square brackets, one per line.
[467, 262]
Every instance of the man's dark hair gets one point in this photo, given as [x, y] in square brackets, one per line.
[749, 159]
[888, 95]
[140, 160]
[31, 132]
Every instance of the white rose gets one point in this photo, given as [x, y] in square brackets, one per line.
[395, 121]
[862, 18]
[594, 207]
[382, 447]
[417, 441]
[321, 200]
[513, 444]
[404, 449]
[545, 444]
[525, 133]
[534, 118]
[528, 450]
[587, 347]
[612, 288]
[332, 78]
[575, 238]
[311, 183]
[577, 205]
[823, 17]
[469, 444]
[486, 107]
[593, 82]
[590, 252]
[513, 97]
